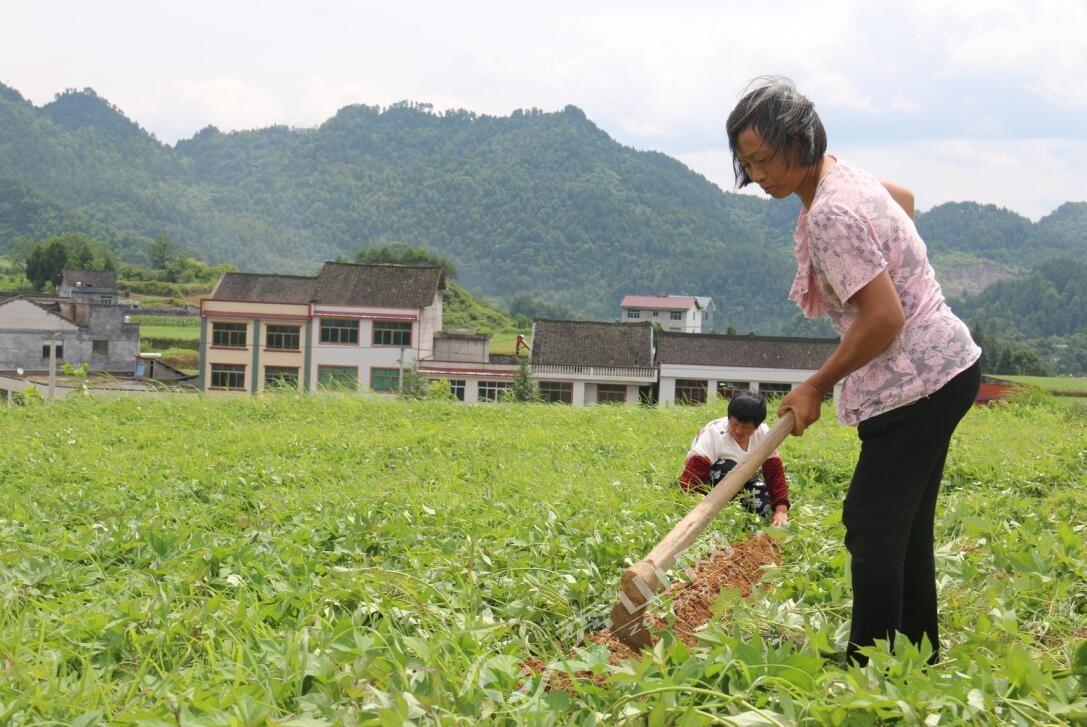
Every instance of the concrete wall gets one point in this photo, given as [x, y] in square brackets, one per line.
[25, 328]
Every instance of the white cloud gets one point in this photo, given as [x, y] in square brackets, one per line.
[903, 103]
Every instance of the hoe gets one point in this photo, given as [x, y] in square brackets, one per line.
[645, 578]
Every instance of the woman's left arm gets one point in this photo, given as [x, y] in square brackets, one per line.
[879, 319]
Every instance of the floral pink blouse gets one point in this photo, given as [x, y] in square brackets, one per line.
[853, 231]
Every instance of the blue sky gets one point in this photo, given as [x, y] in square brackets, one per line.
[956, 99]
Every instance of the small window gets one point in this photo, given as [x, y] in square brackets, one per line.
[340, 331]
[691, 391]
[677, 315]
[656, 314]
[492, 390]
[729, 389]
[611, 393]
[338, 377]
[557, 392]
[283, 338]
[60, 351]
[280, 377]
[228, 335]
[457, 387]
[774, 389]
[105, 299]
[100, 348]
[228, 376]
[634, 314]
[392, 333]
[385, 379]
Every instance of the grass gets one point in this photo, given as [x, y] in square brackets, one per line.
[350, 560]
[1053, 384]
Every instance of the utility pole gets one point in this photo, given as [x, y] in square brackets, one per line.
[52, 365]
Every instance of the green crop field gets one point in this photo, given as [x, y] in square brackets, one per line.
[330, 559]
[1055, 384]
[165, 327]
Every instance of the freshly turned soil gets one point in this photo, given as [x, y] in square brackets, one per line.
[740, 566]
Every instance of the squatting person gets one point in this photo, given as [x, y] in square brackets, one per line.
[908, 365]
[724, 443]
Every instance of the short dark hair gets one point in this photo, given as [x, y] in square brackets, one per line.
[748, 407]
[772, 106]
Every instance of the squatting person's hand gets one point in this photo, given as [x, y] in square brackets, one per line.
[781, 517]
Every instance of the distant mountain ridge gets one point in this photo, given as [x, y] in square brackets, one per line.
[542, 204]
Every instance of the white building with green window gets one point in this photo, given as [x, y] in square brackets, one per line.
[353, 327]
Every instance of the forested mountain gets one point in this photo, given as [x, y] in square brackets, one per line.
[539, 204]
[1045, 309]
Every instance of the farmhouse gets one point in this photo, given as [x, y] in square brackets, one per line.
[351, 326]
[585, 362]
[465, 361]
[99, 335]
[89, 286]
[697, 368]
[678, 313]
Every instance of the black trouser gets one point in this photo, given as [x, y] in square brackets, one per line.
[889, 512]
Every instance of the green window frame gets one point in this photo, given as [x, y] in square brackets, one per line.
[338, 377]
[382, 379]
[342, 331]
[283, 338]
[228, 335]
[228, 376]
[392, 333]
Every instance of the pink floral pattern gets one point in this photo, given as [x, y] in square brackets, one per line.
[853, 231]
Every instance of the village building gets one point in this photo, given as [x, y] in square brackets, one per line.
[89, 286]
[464, 360]
[695, 369]
[593, 362]
[676, 313]
[349, 327]
[98, 335]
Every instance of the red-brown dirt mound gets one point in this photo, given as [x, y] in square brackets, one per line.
[739, 566]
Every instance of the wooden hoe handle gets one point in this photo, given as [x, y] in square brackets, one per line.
[643, 579]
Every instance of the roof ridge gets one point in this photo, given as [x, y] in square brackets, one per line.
[383, 265]
[746, 336]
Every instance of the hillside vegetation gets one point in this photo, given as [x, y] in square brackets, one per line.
[539, 204]
[345, 560]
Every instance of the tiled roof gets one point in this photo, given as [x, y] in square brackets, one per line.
[90, 278]
[658, 301]
[592, 343]
[380, 286]
[264, 288]
[778, 352]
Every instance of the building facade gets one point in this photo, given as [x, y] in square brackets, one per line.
[89, 286]
[352, 327]
[98, 335]
[593, 362]
[695, 369]
[675, 313]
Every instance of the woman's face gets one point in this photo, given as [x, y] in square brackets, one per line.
[741, 431]
[768, 169]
